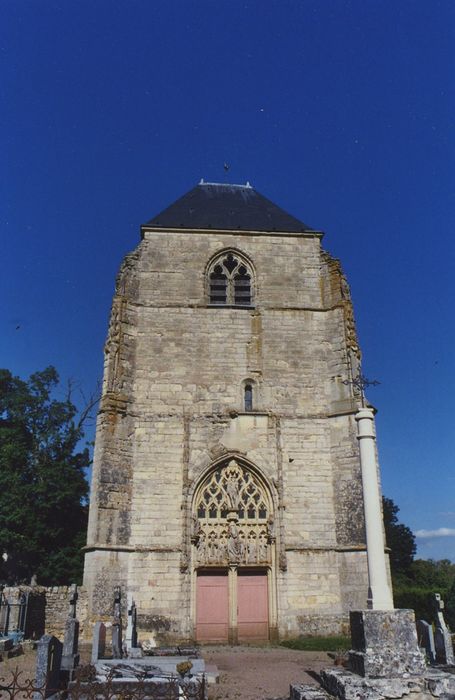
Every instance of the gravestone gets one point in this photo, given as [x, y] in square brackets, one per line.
[131, 630]
[117, 643]
[99, 642]
[425, 638]
[70, 657]
[385, 643]
[48, 665]
[385, 663]
[443, 646]
[6, 643]
[442, 636]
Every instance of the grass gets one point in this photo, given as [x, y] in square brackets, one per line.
[318, 643]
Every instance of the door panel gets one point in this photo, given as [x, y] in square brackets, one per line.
[212, 607]
[252, 602]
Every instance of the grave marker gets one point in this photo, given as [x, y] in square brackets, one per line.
[70, 657]
[99, 642]
[117, 648]
[48, 665]
[442, 636]
[425, 637]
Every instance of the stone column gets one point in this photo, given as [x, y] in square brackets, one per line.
[232, 589]
[379, 594]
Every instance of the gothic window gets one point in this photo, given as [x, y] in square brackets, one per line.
[248, 397]
[232, 519]
[230, 281]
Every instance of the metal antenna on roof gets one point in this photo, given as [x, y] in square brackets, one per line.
[226, 168]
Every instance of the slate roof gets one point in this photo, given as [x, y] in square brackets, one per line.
[230, 207]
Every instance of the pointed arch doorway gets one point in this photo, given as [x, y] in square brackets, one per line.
[233, 554]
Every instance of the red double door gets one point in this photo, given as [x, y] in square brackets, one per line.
[212, 606]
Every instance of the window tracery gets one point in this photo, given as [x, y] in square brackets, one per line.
[230, 281]
[232, 520]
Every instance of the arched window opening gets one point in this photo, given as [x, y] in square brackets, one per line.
[242, 286]
[230, 281]
[248, 397]
[218, 286]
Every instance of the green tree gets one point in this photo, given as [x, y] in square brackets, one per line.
[450, 605]
[43, 490]
[400, 539]
[436, 575]
[415, 581]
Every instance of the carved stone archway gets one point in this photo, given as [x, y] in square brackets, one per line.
[233, 531]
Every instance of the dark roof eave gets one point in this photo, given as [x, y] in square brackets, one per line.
[307, 233]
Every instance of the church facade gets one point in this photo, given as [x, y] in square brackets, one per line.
[226, 494]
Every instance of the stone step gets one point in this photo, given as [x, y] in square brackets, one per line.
[308, 692]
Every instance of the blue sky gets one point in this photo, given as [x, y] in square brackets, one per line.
[339, 111]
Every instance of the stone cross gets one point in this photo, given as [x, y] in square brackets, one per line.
[73, 600]
[70, 657]
[99, 642]
[131, 631]
[117, 649]
[48, 664]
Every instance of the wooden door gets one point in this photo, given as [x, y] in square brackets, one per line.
[252, 605]
[212, 606]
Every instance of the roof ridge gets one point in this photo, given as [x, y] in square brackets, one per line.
[225, 184]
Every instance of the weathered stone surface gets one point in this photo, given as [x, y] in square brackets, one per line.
[48, 666]
[348, 686]
[345, 685]
[173, 406]
[70, 657]
[440, 684]
[6, 644]
[425, 637]
[443, 646]
[307, 692]
[47, 609]
[117, 627]
[164, 664]
[98, 641]
[385, 644]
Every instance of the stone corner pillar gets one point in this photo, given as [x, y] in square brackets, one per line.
[379, 593]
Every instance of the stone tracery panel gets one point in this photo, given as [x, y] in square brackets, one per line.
[232, 520]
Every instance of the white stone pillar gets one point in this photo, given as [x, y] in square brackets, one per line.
[379, 593]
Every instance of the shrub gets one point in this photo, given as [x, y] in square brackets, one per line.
[421, 600]
[318, 643]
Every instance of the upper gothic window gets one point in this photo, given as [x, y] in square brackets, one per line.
[230, 281]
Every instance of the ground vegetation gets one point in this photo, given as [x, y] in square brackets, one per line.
[333, 643]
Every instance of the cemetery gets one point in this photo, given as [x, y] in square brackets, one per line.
[391, 657]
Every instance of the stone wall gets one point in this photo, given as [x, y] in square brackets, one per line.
[48, 609]
[172, 406]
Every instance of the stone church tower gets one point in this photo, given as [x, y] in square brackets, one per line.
[226, 496]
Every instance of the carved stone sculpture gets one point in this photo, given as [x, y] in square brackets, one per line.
[233, 522]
